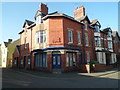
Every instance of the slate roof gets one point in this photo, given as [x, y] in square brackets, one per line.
[28, 22]
[83, 18]
[16, 42]
[6, 44]
[39, 13]
[106, 29]
[59, 14]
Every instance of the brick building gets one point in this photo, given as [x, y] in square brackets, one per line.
[57, 42]
[116, 44]
[103, 44]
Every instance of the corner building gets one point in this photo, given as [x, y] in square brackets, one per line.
[56, 41]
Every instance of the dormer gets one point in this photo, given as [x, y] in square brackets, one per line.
[108, 31]
[96, 24]
[42, 11]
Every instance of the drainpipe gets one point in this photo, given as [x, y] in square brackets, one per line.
[83, 40]
[30, 51]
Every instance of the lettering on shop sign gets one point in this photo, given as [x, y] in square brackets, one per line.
[58, 40]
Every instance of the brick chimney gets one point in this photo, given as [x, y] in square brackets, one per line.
[79, 12]
[43, 8]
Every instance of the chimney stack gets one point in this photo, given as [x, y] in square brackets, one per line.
[9, 41]
[43, 8]
[79, 12]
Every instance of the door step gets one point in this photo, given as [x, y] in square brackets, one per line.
[56, 71]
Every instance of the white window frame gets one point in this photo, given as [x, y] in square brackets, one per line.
[88, 56]
[97, 29]
[79, 38]
[109, 44]
[70, 36]
[86, 39]
[70, 59]
[40, 34]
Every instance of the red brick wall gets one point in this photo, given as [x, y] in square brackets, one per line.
[101, 67]
[55, 32]
[105, 42]
[116, 45]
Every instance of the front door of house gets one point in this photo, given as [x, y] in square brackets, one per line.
[56, 62]
[24, 63]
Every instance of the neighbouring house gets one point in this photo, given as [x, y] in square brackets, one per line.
[110, 54]
[116, 45]
[10, 51]
[3, 51]
[56, 42]
[16, 56]
[103, 45]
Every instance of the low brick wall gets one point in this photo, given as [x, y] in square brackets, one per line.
[101, 67]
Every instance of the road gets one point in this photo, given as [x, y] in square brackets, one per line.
[14, 78]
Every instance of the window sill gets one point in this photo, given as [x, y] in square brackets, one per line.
[79, 44]
[87, 46]
[70, 43]
[70, 66]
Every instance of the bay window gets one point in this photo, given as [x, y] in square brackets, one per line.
[40, 37]
[97, 41]
[40, 60]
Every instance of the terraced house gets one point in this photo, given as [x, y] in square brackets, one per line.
[56, 42]
[103, 44]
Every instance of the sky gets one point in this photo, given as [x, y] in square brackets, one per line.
[15, 13]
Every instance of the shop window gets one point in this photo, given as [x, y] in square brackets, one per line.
[40, 60]
[71, 59]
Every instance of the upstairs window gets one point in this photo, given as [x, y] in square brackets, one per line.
[79, 39]
[97, 41]
[110, 44]
[70, 36]
[97, 29]
[39, 20]
[40, 37]
[109, 34]
[87, 40]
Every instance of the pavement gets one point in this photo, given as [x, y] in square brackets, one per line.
[20, 78]
[113, 74]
